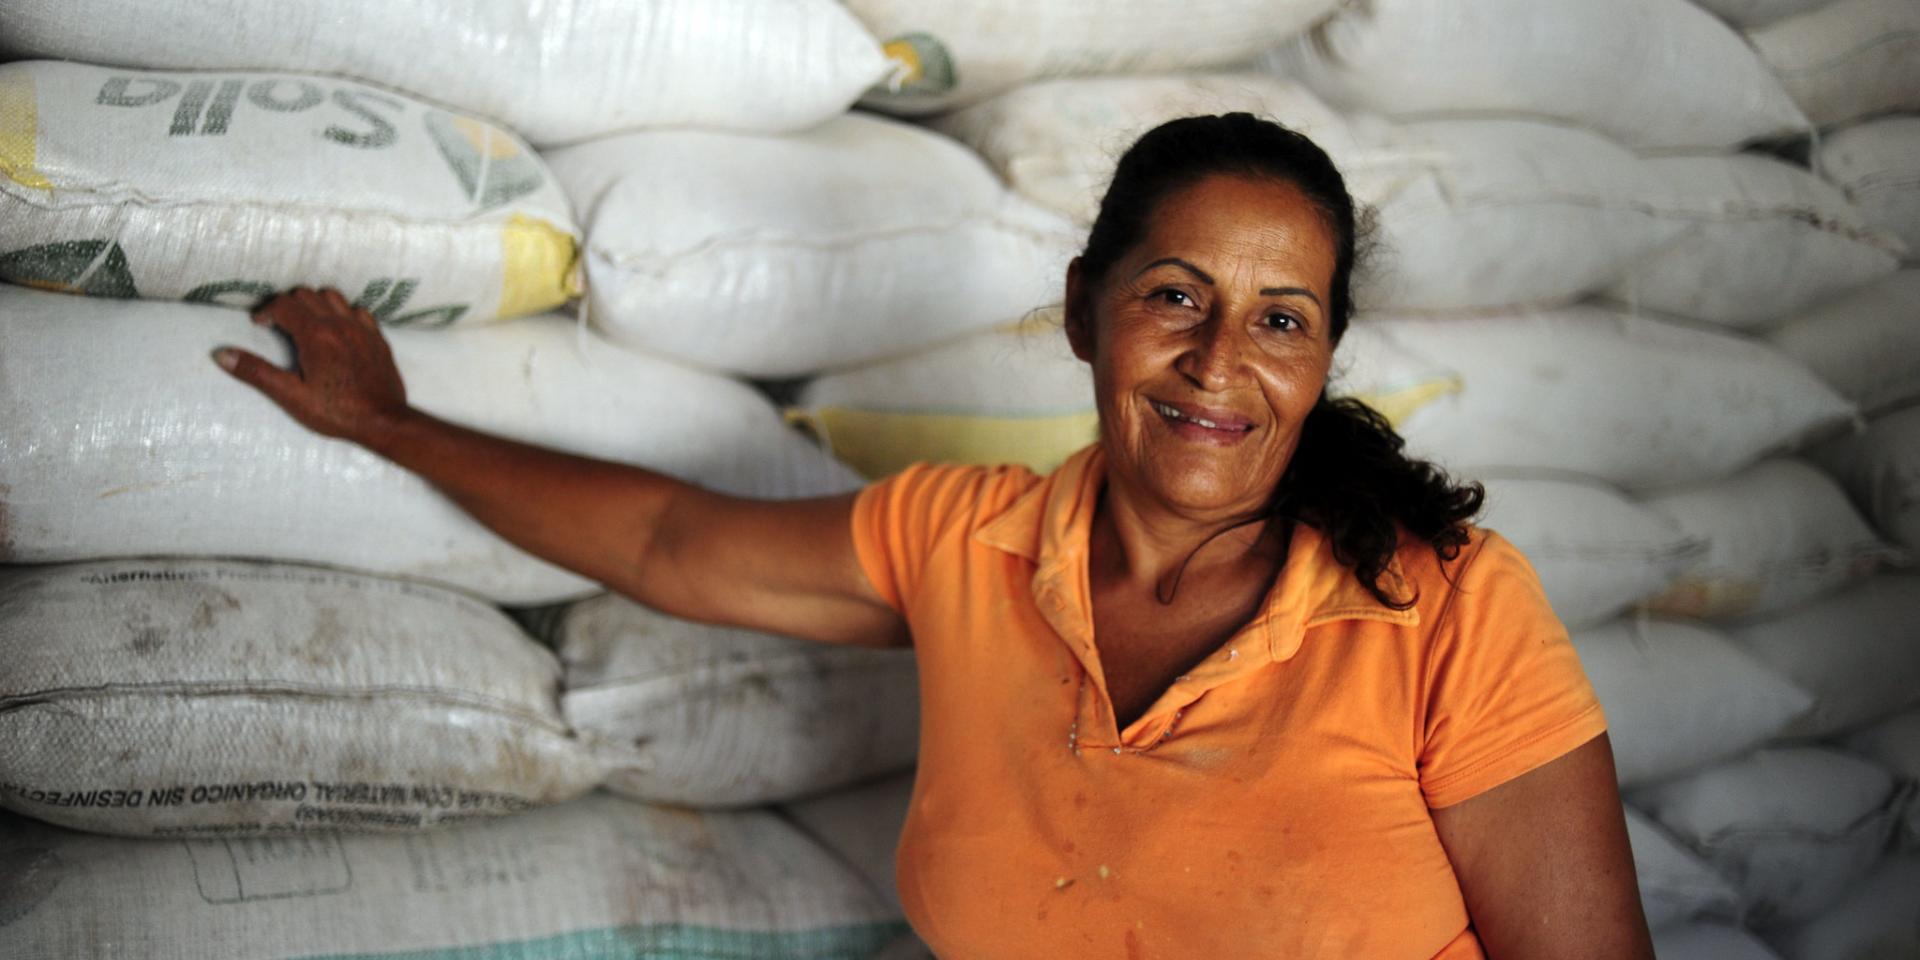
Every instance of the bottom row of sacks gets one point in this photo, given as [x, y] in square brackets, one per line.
[596, 877]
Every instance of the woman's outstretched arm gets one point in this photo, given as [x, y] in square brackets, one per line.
[785, 567]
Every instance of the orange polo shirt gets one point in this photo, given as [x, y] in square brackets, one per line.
[1272, 803]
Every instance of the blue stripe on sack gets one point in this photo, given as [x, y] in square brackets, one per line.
[668, 942]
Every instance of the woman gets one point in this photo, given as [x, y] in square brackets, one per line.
[1237, 681]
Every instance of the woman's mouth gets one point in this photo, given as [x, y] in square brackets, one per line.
[1200, 423]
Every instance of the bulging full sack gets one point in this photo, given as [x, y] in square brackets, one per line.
[1630, 400]
[1056, 141]
[1019, 395]
[704, 716]
[862, 825]
[123, 438]
[1790, 828]
[1778, 534]
[554, 73]
[1880, 469]
[1503, 213]
[1866, 343]
[1878, 918]
[190, 698]
[1854, 651]
[1679, 695]
[1709, 941]
[1747, 14]
[1596, 550]
[1762, 240]
[1847, 59]
[598, 877]
[947, 55]
[1894, 743]
[782, 256]
[1649, 73]
[227, 187]
[1674, 884]
[1878, 165]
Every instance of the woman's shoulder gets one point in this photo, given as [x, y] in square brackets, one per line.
[1486, 568]
[936, 497]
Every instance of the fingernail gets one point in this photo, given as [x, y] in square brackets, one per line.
[226, 358]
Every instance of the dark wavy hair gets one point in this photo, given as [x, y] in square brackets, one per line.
[1350, 476]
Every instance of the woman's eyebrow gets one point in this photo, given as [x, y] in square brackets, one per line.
[1290, 291]
[1182, 264]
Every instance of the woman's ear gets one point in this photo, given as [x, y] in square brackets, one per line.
[1078, 313]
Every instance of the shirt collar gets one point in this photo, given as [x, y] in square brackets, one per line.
[1051, 525]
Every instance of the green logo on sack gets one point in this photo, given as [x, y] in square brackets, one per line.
[491, 165]
[93, 268]
[384, 297]
[922, 67]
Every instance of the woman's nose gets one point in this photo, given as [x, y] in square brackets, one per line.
[1210, 357]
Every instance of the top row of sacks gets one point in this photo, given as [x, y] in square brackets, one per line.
[857, 239]
[1654, 74]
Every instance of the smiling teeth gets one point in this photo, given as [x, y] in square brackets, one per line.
[1177, 415]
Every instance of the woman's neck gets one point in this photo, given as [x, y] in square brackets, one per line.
[1150, 545]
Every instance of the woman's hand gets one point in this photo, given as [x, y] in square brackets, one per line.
[343, 382]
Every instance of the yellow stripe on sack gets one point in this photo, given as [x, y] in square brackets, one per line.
[20, 130]
[879, 443]
[1398, 405]
[912, 71]
[540, 266]
[487, 139]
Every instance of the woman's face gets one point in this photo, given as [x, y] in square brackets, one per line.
[1210, 343]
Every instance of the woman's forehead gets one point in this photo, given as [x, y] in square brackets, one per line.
[1238, 224]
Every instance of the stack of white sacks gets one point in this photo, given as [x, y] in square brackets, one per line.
[1680, 368]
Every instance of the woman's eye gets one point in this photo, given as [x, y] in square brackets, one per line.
[1175, 298]
[1281, 321]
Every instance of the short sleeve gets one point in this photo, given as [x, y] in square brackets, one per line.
[898, 521]
[1505, 691]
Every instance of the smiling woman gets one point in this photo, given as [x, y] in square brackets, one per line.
[1238, 680]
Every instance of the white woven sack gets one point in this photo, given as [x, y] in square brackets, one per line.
[598, 877]
[1056, 141]
[780, 256]
[1879, 919]
[1596, 550]
[1878, 165]
[1674, 884]
[1709, 941]
[1894, 743]
[1880, 469]
[207, 698]
[1778, 534]
[1678, 696]
[554, 73]
[1748, 14]
[1503, 213]
[1630, 400]
[948, 55]
[862, 825]
[1790, 828]
[223, 188]
[123, 438]
[1866, 343]
[685, 713]
[1857, 652]
[1649, 73]
[1847, 59]
[1763, 240]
